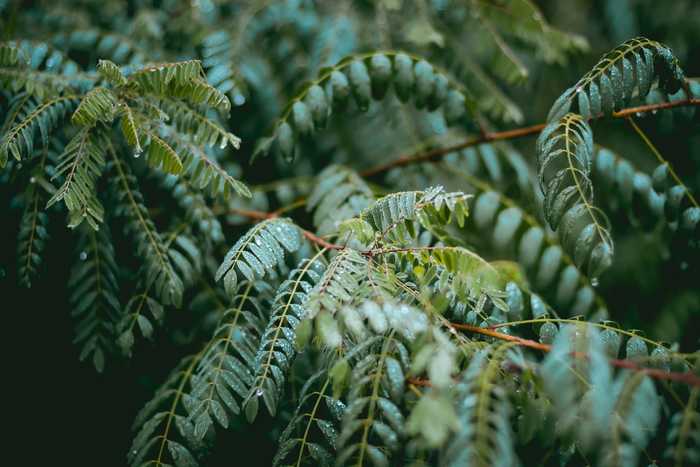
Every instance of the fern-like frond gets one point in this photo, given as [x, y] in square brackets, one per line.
[501, 165]
[684, 435]
[340, 194]
[32, 237]
[197, 211]
[135, 315]
[258, 251]
[98, 105]
[484, 436]
[499, 222]
[466, 273]
[310, 437]
[159, 269]
[564, 157]
[162, 156]
[579, 388]
[339, 285]
[374, 422]
[276, 352]
[552, 45]
[624, 73]
[364, 77]
[94, 296]
[224, 375]
[202, 129]
[203, 172]
[40, 70]
[186, 257]
[218, 50]
[80, 166]
[130, 128]
[19, 139]
[164, 434]
[184, 80]
[393, 216]
[9, 55]
[634, 420]
[111, 72]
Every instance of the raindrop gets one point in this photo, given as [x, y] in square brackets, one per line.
[684, 266]
[222, 145]
[32, 180]
[137, 154]
[594, 282]
[638, 114]
[258, 392]
[83, 256]
[653, 112]
[239, 99]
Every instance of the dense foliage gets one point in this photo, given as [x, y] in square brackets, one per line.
[379, 232]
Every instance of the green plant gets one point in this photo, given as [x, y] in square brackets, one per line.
[460, 305]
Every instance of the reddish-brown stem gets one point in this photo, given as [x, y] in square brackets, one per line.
[418, 382]
[250, 214]
[439, 153]
[321, 242]
[688, 378]
[261, 215]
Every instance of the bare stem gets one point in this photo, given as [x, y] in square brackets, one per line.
[438, 153]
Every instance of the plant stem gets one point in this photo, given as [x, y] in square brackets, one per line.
[688, 377]
[438, 153]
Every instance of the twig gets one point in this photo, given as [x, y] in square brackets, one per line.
[262, 216]
[438, 153]
[688, 378]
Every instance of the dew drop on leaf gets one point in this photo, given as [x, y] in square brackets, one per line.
[32, 180]
[83, 256]
[258, 392]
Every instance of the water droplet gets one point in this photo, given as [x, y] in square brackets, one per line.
[137, 154]
[638, 114]
[653, 112]
[32, 180]
[258, 392]
[83, 256]
[684, 266]
[594, 282]
[239, 99]
[222, 145]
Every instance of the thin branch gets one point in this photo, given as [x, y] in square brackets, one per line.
[687, 378]
[261, 215]
[439, 153]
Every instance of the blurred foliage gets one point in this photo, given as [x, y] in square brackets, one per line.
[142, 141]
